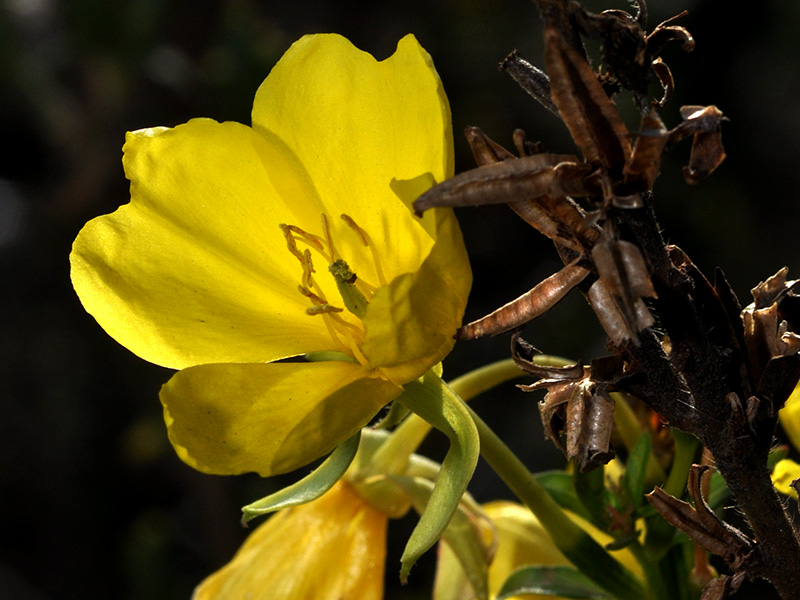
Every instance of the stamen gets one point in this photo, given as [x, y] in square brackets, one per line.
[326, 226]
[353, 290]
[340, 321]
[308, 271]
[295, 233]
[315, 298]
[322, 309]
[367, 241]
[290, 242]
[332, 320]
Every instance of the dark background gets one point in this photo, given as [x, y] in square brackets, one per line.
[93, 502]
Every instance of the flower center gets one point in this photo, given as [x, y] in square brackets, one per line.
[354, 292]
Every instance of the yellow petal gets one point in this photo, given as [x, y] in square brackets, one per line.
[784, 473]
[790, 417]
[268, 418]
[410, 323]
[195, 269]
[357, 124]
[329, 549]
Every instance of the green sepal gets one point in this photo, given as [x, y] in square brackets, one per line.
[461, 534]
[310, 487]
[396, 413]
[563, 581]
[431, 399]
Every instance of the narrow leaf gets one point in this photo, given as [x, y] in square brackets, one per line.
[560, 485]
[566, 582]
[436, 403]
[636, 469]
[312, 486]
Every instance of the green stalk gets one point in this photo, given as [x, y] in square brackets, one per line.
[685, 450]
[630, 430]
[392, 456]
[577, 545]
[652, 572]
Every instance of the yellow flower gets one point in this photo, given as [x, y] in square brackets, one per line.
[790, 417]
[786, 471]
[219, 265]
[331, 548]
[520, 540]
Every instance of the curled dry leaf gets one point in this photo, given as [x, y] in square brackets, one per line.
[576, 407]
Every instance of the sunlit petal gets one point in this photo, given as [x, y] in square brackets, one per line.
[357, 124]
[268, 418]
[329, 549]
[790, 417]
[409, 328]
[195, 268]
[784, 474]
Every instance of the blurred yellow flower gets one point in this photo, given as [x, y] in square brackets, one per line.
[329, 549]
[790, 417]
[219, 265]
[785, 472]
[520, 540]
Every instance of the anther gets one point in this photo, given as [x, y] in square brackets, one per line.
[367, 241]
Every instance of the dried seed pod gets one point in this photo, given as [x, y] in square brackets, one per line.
[588, 112]
[530, 78]
[621, 266]
[578, 409]
[552, 410]
[624, 281]
[509, 181]
[702, 525]
[590, 420]
[618, 326]
[664, 76]
[527, 307]
[484, 149]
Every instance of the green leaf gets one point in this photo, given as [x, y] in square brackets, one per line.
[636, 469]
[718, 492]
[436, 403]
[566, 582]
[311, 487]
[560, 485]
[591, 491]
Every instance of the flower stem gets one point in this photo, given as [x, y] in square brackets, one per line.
[571, 540]
[406, 438]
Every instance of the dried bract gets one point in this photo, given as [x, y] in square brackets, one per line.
[577, 407]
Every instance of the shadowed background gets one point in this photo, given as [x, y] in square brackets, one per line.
[93, 502]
